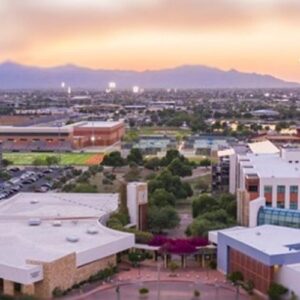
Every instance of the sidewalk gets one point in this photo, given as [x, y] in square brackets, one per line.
[150, 274]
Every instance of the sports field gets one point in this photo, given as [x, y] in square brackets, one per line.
[79, 159]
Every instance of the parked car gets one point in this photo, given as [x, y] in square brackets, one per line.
[15, 169]
[47, 171]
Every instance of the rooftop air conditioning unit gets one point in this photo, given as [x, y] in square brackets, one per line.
[56, 223]
[72, 239]
[92, 230]
[34, 222]
[34, 201]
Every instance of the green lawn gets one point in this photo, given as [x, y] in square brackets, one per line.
[132, 134]
[18, 158]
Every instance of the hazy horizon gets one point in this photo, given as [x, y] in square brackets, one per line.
[257, 36]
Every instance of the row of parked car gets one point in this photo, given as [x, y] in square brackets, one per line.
[20, 180]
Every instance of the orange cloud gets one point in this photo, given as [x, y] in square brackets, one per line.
[256, 35]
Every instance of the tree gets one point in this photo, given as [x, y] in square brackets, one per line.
[206, 162]
[162, 218]
[203, 203]
[172, 184]
[161, 198]
[6, 162]
[85, 188]
[170, 156]
[236, 279]
[173, 266]
[38, 161]
[4, 175]
[52, 160]
[211, 220]
[201, 226]
[276, 291]
[180, 168]
[114, 159]
[152, 163]
[135, 156]
[228, 202]
[136, 258]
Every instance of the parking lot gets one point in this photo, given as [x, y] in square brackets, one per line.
[31, 179]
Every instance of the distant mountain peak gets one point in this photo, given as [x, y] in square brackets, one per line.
[17, 76]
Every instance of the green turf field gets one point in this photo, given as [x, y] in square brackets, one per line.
[19, 158]
[133, 134]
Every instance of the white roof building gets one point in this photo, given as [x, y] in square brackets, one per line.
[45, 227]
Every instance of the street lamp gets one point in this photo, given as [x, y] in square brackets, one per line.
[93, 139]
[217, 286]
[139, 257]
[118, 289]
[158, 280]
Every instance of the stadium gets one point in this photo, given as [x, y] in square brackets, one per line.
[71, 137]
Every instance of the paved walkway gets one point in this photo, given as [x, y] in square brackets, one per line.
[180, 285]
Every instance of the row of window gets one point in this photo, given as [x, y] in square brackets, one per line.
[293, 205]
[280, 189]
[281, 217]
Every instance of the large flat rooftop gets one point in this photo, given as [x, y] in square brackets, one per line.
[100, 124]
[271, 165]
[69, 223]
[45, 128]
[268, 239]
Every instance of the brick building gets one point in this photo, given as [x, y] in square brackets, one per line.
[263, 254]
[66, 138]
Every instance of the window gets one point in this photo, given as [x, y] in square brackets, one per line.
[280, 205]
[293, 205]
[280, 189]
[252, 188]
[268, 189]
[294, 189]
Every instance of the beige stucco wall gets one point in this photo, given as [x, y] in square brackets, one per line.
[28, 289]
[84, 272]
[63, 273]
[8, 287]
[59, 273]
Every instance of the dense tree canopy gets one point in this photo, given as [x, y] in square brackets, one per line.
[114, 159]
[172, 184]
[180, 168]
[135, 156]
[161, 197]
[211, 213]
[160, 218]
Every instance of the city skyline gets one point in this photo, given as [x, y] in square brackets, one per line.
[256, 36]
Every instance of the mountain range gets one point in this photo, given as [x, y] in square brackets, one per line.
[17, 76]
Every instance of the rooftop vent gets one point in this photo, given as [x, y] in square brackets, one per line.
[34, 222]
[92, 230]
[56, 223]
[258, 233]
[72, 239]
[34, 201]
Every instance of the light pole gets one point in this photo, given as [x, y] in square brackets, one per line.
[139, 262]
[158, 280]
[217, 286]
[118, 290]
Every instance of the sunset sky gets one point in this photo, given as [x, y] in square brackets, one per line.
[249, 35]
